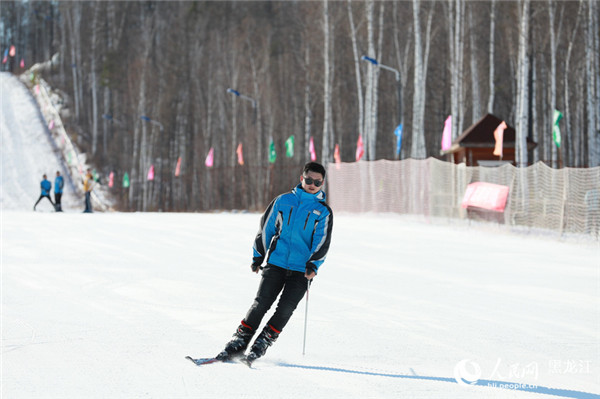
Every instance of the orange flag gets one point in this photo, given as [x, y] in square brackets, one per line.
[240, 154]
[178, 167]
[499, 136]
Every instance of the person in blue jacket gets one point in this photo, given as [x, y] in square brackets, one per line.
[59, 183]
[294, 237]
[45, 185]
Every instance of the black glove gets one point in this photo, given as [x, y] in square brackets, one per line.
[310, 268]
[256, 266]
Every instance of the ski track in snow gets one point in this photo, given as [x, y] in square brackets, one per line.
[107, 305]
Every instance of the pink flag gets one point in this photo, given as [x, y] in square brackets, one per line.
[111, 179]
[210, 158]
[240, 154]
[311, 148]
[22, 63]
[447, 134]
[13, 51]
[499, 136]
[5, 59]
[51, 125]
[360, 148]
[151, 173]
[37, 89]
[178, 167]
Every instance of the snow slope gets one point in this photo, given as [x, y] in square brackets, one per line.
[108, 304]
[28, 152]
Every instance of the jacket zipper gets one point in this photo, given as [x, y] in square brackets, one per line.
[306, 221]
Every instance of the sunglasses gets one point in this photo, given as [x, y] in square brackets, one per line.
[310, 181]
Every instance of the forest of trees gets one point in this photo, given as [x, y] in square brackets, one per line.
[298, 68]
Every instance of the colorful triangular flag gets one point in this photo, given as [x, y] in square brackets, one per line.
[240, 154]
[210, 158]
[311, 148]
[499, 137]
[178, 167]
[447, 134]
[556, 129]
[126, 180]
[289, 147]
[360, 148]
[272, 153]
[151, 173]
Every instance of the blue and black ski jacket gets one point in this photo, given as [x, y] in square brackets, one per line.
[295, 230]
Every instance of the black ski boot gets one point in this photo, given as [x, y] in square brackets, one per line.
[265, 339]
[238, 344]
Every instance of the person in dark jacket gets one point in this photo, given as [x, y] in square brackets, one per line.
[59, 183]
[295, 231]
[45, 185]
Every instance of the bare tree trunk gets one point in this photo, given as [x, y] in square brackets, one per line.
[475, 90]
[327, 112]
[492, 85]
[567, 112]
[418, 148]
[307, 110]
[402, 62]
[551, 14]
[73, 18]
[359, 92]
[456, 12]
[592, 75]
[522, 117]
[94, 78]
[370, 118]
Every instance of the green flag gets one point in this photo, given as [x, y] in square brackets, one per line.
[555, 128]
[125, 180]
[95, 175]
[272, 153]
[289, 147]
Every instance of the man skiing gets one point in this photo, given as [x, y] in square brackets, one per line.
[45, 186]
[295, 231]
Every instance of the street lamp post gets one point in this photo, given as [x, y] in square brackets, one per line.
[398, 83]
[157, 123]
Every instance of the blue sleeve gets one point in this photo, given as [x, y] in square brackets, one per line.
[321, 241]
[265, 233]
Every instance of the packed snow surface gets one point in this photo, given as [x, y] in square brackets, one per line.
[107, 305]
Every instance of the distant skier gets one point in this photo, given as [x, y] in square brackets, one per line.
[296, 232]
[45, 185]
[59, 183]
[88, 184]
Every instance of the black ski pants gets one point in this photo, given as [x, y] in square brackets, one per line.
[275, 280]
[43, 196]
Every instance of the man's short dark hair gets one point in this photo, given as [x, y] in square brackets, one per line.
[314, 167]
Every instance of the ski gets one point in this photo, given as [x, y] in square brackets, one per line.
[206, 360]
[210, 360]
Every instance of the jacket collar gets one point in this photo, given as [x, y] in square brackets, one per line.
[301, 194]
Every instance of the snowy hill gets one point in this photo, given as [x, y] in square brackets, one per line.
[108, 305]
[27, 151]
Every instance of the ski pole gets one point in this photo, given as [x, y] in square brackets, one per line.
[305, 318]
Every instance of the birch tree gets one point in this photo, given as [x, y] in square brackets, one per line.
[522, 115]
[593, 144]
[491, 51]
[421, 55]
[327, 83]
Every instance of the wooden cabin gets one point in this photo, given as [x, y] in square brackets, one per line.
[475, 146]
